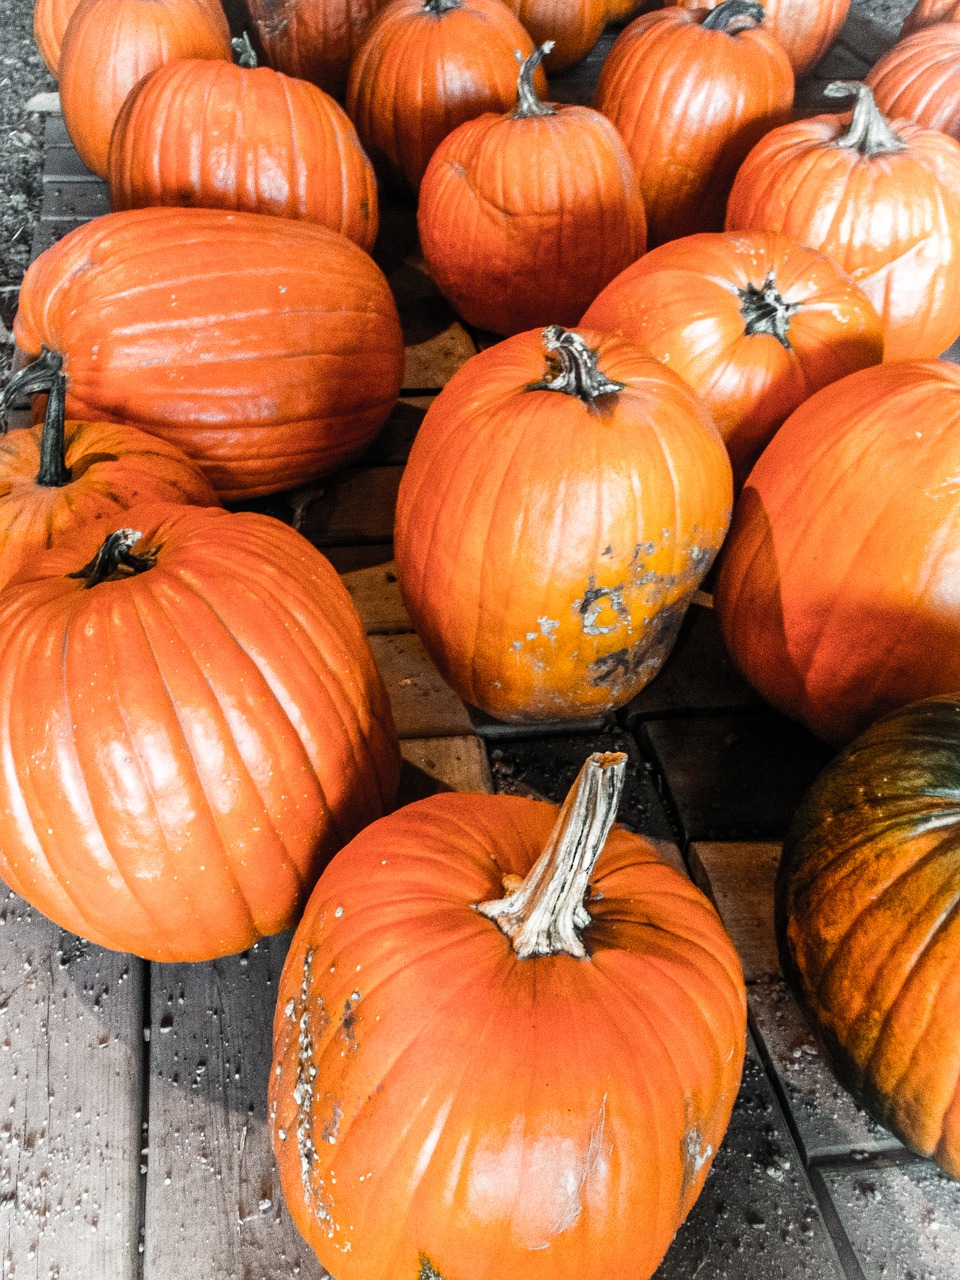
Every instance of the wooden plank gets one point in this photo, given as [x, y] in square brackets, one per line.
[739, 878]
[356, 505]
[62, 164]
[376, 593]
[442, 764]
[424, 705]
[392, 445]
[74, 202]
[213, 1203]
[71, 1062]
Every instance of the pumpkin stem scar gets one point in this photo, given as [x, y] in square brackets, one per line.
[734, 15]
[427, 1270]
[441, 6]
[572, 367]
[115, 560]
[870, 131]
[35, 378]
[244, 51]
[765, 311]
[545, 916]
[528, 100]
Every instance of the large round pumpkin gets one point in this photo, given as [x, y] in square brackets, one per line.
[471, 1084]
[524, 217]
[225, 136]
[267, 349]
[50, 19]
[109, 45]
[313, 39]
[919, 78]
[573, 27]
[882, 198]
[193, 724]
[754, 322]
[837, 592]
[868, 922]
[691, 92]
[563, 499]
[805, 28]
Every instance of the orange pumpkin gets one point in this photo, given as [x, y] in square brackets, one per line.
[881, 198]
[805, 28]
[754, 322]
[926, 12]
[111, 44]
[268, 350]
[837, 587]
[425, 67]
[242, 137]
[313, 39]
[524, 217]
[690, 92]
[919, 79]
[192, 725]
[563, 499]
[490, 1057]
[573, 27]
[62, 474]
[50, 18]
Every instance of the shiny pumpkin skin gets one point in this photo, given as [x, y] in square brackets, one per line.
[689, 102]
[522, 1119]
[919, 78]
[112, 467]
[109, 45]
[517, 228]
[201, 132]
[269, 350]
[420, 73]
[313, 41]
[50, 18]
[891, 221]
[926, 12]
[836, 593]
[184, 748]
[574, 26]
[684, 302]
[868, 925]
[547, 551]
[805, 28]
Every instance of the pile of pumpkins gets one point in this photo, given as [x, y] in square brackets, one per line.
[508, 1039]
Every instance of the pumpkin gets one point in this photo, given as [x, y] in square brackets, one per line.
[919, 79]
[50, 18]
[572, 27]
[111, 44]
[881, 198]
[61, 474]
[867, 922]
[313, 40]
[242, 137]
[269, 350]
[467, 1009]
[524, 217]
[754, 322]
[690, 92]
[805, 28]
[836, 593]
[563, 499]
[193, 724]
[425, 67]
[926, 12]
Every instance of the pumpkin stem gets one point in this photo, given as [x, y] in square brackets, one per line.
[765, 311]
[115, 560]
[35, 378]
[528, 100]
[545, 915]
[735, 15]
[441, 6]
[244, 51]
[870, 132]
[54, 472]
[572, 367]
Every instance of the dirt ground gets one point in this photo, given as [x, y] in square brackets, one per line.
[22, 74]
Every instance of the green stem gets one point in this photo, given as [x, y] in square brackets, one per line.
[528, 100]
[729, 16]
[869, 132]
[53, 466]
[572, 367]
[243, 51]
[441, 6]
[115, 560]
[35, 378]
[546, 914]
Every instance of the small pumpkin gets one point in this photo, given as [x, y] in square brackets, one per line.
[268, 350]
[690, 91]
[867, 922]
[919, 79]
[61, 474]
[426, 66]
[805, 28]
[109, 45]
[564, 497]
[926, 12]
[882, 198]
[836, 594]
[193, 724]
[471, 993]
[239, 136]
[524, 217]
[753, 321]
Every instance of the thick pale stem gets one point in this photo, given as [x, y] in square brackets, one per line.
[870, 132]
[35, 378]
[528, 100]
[442, 6]
[115, 559]
[572, 367]
[765, 311]
[735, 15]
[243, 51]
[53, 471]
[545, 916]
